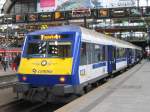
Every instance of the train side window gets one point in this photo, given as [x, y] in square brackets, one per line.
[83, 54]
[89, 53]
[97, 53]
[121, 53]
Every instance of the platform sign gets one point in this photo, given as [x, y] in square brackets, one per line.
[45, 16]
[118, 12]
[59, 15]
[135, 12]
[102, 13]
[146, 11]
[32, 17]
[20, 18]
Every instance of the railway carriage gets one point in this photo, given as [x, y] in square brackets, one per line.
[63, 60]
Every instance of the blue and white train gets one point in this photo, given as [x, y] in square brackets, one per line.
[64, 60]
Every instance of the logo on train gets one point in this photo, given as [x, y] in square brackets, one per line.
[34, 70]
[44, 63]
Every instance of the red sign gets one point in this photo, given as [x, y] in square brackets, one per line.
[47, 3]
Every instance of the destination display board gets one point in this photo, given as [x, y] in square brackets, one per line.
[101, 13]
[118, 12]
[51, 37]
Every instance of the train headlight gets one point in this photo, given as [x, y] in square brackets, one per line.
[24, 78]
[62, 79]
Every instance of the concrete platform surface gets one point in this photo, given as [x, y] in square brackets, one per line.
[129, 92]
[8, 72]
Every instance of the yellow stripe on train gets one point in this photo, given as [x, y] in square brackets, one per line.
[46, 66]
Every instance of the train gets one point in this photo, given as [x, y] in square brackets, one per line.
[64, 60]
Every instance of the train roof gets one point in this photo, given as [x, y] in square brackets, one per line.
[105, 39]
[88, 35]
[56, 30]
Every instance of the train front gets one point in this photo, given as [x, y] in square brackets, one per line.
[47, 65]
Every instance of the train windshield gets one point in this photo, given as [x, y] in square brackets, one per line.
[53, 49]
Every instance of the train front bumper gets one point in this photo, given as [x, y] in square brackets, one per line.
[58, 89]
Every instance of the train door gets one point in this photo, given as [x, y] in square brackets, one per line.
[111, 58]
[129, 56]
[114, 57]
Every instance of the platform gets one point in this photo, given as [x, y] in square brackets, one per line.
[8, 72]
[129, 92]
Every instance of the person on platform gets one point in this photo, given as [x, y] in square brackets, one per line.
[4, 64]
[17, 62]
[14, 65]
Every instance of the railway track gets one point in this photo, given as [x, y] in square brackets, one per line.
[7, 81]
[7, 84]
[25, 106]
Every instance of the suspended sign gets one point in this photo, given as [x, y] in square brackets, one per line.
[32, 17]
[45, 16]
[118, 13]
[20, 18]
[81, 13]
[59, 15]
[103, 13]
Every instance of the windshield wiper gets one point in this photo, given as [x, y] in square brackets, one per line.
[28, 57]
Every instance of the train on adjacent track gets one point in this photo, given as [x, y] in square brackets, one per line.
[64, 60]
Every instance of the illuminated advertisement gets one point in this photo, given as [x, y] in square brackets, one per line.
[47, 3]
[66, 5]
[63, 5]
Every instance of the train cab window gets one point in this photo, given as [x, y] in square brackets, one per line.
[59, 49]
[36, 49]
[49, 49]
